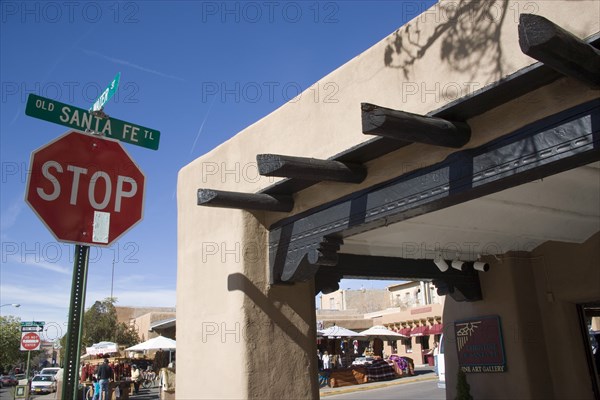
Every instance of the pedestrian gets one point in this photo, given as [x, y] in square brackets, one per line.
[326, 361]
[136, 377]
[319, 360]
[105, 375]
[436, 352]
[96, 386]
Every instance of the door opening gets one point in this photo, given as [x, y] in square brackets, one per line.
[589, 315]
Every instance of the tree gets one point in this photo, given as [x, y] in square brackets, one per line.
[11, 355]
[10, 342]
[100, 324]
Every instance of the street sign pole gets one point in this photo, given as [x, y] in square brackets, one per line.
[27, 368]
[75, 327]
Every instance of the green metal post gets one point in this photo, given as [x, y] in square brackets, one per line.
[27, 368]
[75, 327]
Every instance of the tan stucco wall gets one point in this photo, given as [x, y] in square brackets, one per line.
[126, 314]
[363, 301]
[542, 339]
[143, 323]
[571, 274]
[509, 291]
[227, 314]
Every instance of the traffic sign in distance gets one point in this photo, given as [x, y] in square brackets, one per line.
[32, 328]
[33, 323]
[85, 188]
[30, 341]
[80, 119]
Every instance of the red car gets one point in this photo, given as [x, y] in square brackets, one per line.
[8, 380]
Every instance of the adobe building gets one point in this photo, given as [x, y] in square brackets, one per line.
[360, 300]
[418, 315]
[410, 308]
[148, 322]
[463, 149]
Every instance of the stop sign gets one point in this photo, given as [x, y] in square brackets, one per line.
[30, 341]
[85, 188]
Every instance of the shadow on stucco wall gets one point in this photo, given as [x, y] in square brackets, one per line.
[469, 32]
[240, 282]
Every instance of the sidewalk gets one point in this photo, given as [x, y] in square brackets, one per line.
[421, 374]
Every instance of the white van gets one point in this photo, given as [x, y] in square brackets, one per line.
[441, 365]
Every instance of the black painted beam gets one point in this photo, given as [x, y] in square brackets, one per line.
[310, 169]
[460, 285]
[415, 128]
[244, 201]
[559, 49]
[378, 267]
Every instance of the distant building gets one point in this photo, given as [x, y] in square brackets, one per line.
[141, 319]
[412, 308]
[361, 300]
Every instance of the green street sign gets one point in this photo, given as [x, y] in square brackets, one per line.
[33, 323]
[78, 118]
[107, 94]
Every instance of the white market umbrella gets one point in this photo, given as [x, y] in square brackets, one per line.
[156, 343]
[383, 333]
[339, 332]
[102, 348]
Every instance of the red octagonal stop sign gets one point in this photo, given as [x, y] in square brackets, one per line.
[85, 188]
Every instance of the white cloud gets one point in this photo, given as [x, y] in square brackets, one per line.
[9, 217]
[132, 65]
[54, 267]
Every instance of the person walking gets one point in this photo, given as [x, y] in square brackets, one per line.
[136, 377]
[436, 352]
[104, 374]
[326, 361]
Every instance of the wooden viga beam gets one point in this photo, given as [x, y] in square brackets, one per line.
[559, 49]
[244, 201]
[310, 169]
[414, 128]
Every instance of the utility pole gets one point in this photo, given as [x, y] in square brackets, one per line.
[112, 279]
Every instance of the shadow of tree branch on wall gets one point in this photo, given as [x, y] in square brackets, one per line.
[469, 34]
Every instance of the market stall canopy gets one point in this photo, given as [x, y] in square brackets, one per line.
[156, 343]
[383, 333]
[102, 348]
[338, 332]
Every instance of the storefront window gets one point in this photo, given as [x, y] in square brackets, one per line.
[407, 345]
[424, 341]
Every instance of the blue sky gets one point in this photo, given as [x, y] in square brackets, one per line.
[197, 71]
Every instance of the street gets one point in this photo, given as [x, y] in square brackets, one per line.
[416, 390]
[7, 393]
[409, 391]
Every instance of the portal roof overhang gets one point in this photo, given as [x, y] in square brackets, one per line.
[320, 242]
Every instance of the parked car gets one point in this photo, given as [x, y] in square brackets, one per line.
[43, 384]
[8, 380]
[21, 379]
[49, 371]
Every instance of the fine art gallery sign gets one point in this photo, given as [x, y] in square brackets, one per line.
[479, 344]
